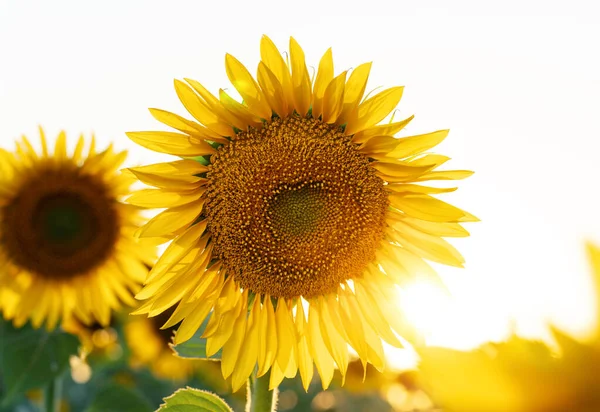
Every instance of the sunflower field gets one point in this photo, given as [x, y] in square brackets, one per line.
[287, 234]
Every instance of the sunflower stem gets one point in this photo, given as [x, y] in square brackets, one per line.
[260, 398]
[52, 395]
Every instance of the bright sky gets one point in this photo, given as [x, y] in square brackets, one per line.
[517, 82]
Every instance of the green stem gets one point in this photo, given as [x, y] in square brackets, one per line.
[260, 398]
[52, 395]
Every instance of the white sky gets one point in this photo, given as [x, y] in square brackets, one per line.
[517, 82]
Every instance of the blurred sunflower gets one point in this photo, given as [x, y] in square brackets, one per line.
[96, 339]
[399, 388]
[292, 217]
[518, 375]
[66, 239]
[150, 346]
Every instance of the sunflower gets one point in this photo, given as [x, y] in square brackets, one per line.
[293, 215]
[66, 239]
[150, 346]
[518, 375]
[96, 340]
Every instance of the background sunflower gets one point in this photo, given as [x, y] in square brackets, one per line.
[66, 239]
[151, 347]
[519, 375]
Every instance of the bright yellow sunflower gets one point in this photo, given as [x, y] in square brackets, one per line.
[293, 216]
[66, 239]
[150, 346]
[518, 375]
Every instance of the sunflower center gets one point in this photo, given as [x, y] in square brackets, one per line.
[294, 209]
[64, 221]
[296, 212]
[60, 224]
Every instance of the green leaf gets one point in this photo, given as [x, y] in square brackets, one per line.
[194, 400]
[31, 358]
[195, 348]
[114, 397]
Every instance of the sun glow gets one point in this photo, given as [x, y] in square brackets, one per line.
[443, 319]
[447, 319]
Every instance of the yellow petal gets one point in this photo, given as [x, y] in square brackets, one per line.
[200, 110]
[173, 183]
[186, 126]
[445, 175]
[411, 145]
[248, 355]
[153, 287]
[60, 147]
[318, 350]
[335, 343]
[172, 221]
[354, 90]
[186, 280]
[428, 246]
[324, 77]
[268, 344]
[157, 198]
[445, 229]
[425, 207]
[334, 98]
[182, 310]
[245, 84]
[398, 170]
[43, 142]
[375, 109]
[273, 60]
[31, 153]
[180, 169]
[211, 280]
[286, 337]
[354, 328]
[78, 149]
[300, 79]
[305, 362]
[389, 129]
[227, 301]
[92, 148]
[393, 316]
[272, 89]
[233, 347]
[239, 110]
[593, 253]
[375, 354]
[224, 330]
[374, 316]
[171, 143]
[435, 160]
[378, 145]
[193, 320]
[215, 105]
[411, 188]
[411, 264]
[277, 375]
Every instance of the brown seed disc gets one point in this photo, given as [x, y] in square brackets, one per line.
[294, 209]
[60, 224]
